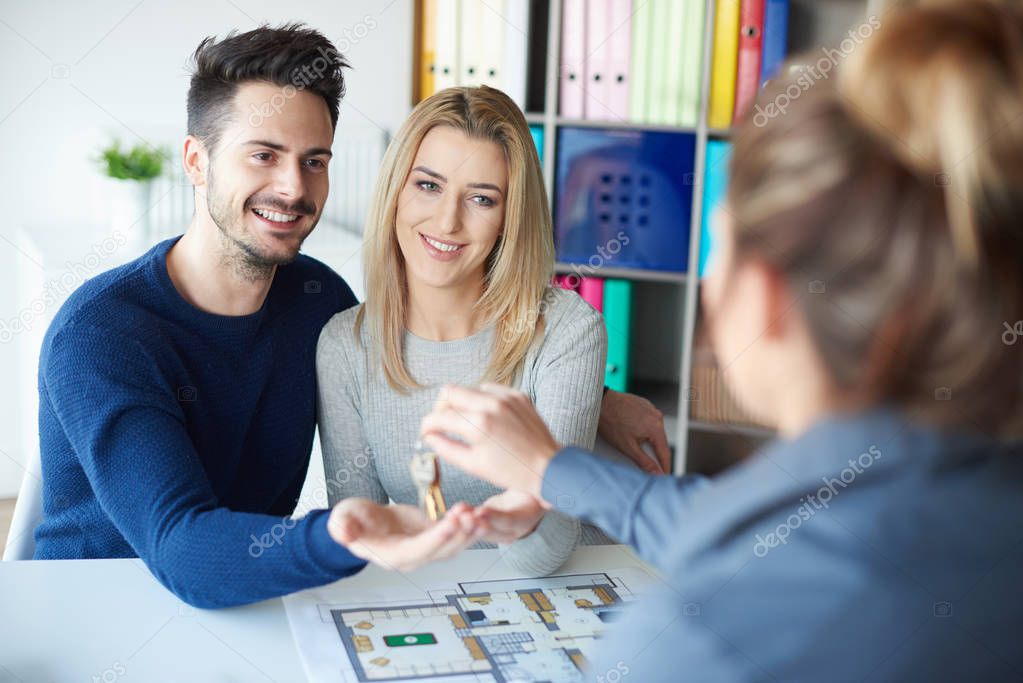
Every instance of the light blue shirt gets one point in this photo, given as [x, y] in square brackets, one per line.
[865, 549]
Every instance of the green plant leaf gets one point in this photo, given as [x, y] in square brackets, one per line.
[141, 162]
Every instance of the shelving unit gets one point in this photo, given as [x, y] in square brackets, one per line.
[667, 303]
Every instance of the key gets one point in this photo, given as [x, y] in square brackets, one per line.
[425, 470]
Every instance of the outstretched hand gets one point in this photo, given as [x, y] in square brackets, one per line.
[401, 537]
[511, 515]
[493, 433]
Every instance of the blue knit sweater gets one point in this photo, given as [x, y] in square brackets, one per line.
[183, 437]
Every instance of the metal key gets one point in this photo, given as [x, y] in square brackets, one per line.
[425, 470]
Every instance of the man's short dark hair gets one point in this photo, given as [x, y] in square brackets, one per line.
[291, 55]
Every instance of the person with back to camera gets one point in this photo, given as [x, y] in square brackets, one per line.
[879, 537]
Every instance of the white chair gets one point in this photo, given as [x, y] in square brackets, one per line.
[28, 512]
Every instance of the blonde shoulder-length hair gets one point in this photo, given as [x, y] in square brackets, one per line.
[518, 270]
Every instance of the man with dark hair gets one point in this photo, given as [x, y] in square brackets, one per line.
[177, 393]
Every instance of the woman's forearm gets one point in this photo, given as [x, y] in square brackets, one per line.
[640, 509]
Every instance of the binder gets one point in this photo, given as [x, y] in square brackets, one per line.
[514, 59]
[573, 58]
[724, 64]
[537, 132]
[492, 29]
[751, 44]
[623, 198]
[446, 45]
[597, 59]
[664, 67]
[427, 48]
[536, 61]
[671, 67]
[617, 318]
[639, 95]
[471, 28]
[569, 282]
[619, 54]
[691, 49]
[715, 183]
[776, 36]
[591, 289]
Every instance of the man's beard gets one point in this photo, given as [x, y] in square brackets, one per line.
[241, 251]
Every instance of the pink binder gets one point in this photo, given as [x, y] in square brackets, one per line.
[597, 95]
[619, 58]
[573, 56]
[569, 282]
[592, 290]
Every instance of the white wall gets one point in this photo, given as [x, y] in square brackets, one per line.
[73, 75]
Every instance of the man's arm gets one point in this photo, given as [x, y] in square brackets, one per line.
[130, 437]
[629, 422]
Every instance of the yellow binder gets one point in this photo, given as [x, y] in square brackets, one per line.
[725, 63]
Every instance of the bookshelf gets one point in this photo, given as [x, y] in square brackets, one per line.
[666, 331]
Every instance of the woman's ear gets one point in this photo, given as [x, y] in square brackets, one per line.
[778, 300]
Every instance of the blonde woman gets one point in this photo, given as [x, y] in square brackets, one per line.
[458, 261]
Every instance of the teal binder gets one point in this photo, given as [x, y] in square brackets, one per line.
[537, 133]
[617, 318]
[715, 182]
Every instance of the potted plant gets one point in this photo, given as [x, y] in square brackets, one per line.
[132, 172]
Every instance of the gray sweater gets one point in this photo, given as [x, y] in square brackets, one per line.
[368, 430]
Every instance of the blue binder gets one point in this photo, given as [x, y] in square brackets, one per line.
[715, 182]
[623, 198]
[776, 36]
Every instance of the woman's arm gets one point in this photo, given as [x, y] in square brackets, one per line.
[638, 508]
[348, 464]
[502, 439]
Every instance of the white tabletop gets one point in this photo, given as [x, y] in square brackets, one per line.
[110, 620]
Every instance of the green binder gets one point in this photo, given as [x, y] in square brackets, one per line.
[617, 318]
[639, 92]
[691, 44]
[661, 68]
[667, 61]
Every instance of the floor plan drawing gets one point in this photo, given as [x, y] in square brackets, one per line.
[507, 631]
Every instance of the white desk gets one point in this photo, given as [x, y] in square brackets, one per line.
[110, 620]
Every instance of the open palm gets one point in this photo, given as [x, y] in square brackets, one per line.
[401, 537]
